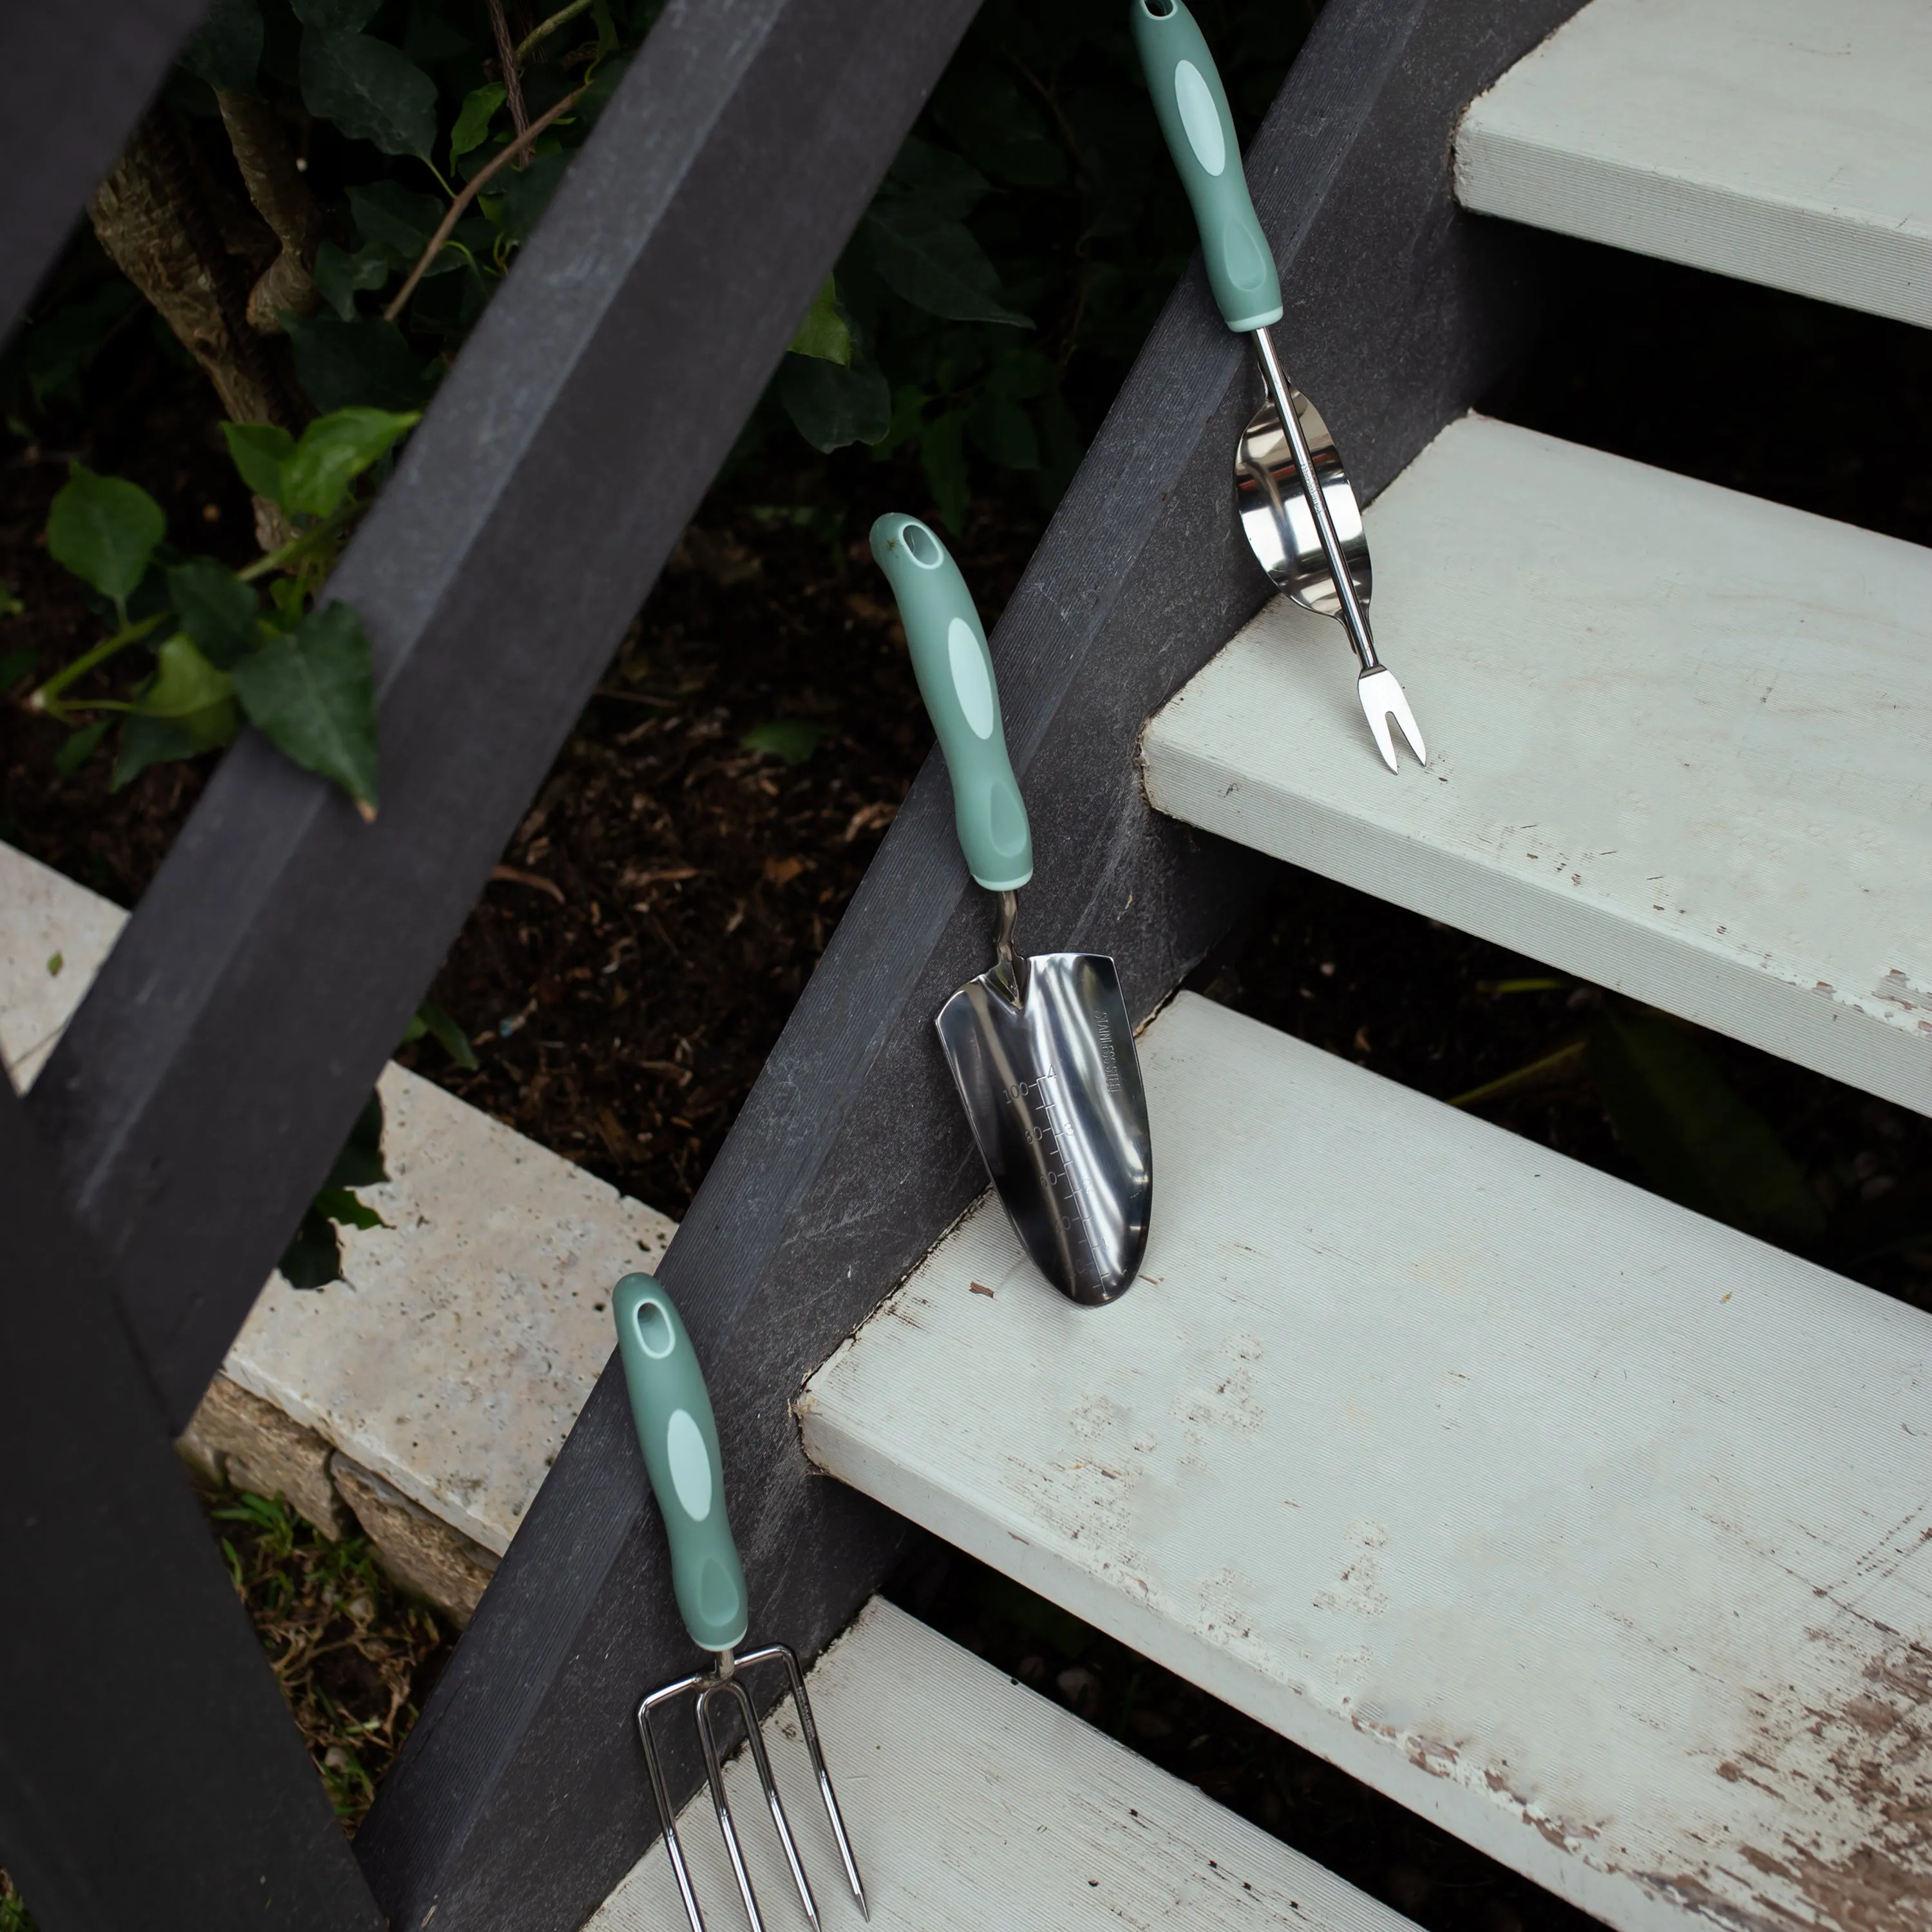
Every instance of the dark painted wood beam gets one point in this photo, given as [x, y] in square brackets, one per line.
[150, 1773]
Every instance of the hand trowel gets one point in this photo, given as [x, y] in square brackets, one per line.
[1041, 1049]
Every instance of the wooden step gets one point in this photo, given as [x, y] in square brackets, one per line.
[1784, 141]
[975, 1804]
[452, 1360]
[1596, 1532]
[1681, 744]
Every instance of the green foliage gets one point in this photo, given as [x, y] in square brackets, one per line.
[14, 1916]
[313, 691]
[1695, 1138]
[303, 676]
[431, 1020]
[333, 451]
[825, 333]
[372, 91]
[104, 530]
[313, 1258]
[791, 740]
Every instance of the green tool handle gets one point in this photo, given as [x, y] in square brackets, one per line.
[678, 1435]
[1193, 106]
[956, 678]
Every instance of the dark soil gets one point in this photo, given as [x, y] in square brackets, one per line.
[666, 898]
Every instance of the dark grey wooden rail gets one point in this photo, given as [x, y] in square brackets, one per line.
[73, 80]
[521, 1798]
[211, 1074]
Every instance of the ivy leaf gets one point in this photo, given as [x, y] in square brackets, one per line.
[336, 17]
[191, 692]
[1695, 1138]
[334, 450]
[930, 260]
[104, 529]
[341, 364]
[313, 1258]
[216, 608]
[987, 115]
[1003, 429]
[824, 333]
[948, 186]
[79, 746]
[528, 193]
[394, 218]
[148, 741]
[473, 124]
[258, 450]
[227, 49]
[360, 1162]
[830, 406]
[312, 692]
[942, 452]
[372, 91]
[57, 351]
[341, 276]
[792, 739]
[345, 1210]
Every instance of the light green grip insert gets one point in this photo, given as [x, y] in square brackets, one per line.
[678, 1435]
[956, 678]
[1193, 106]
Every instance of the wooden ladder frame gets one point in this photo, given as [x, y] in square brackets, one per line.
[146, 1775]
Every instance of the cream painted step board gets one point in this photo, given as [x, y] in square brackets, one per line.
[1784, 141]
[1597, 1532]
[976, 1805]
[1680, 740]
[455, 1355]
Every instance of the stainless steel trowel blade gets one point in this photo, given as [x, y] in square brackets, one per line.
[1052, 1084]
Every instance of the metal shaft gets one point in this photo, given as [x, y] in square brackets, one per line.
[1355, 617]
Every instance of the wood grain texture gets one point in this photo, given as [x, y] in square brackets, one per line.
[1596, 1532]
[1783, 142]
[974, 1803]
[1680, 740]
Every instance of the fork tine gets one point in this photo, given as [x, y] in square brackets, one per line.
[1383, 698]
[802, 1704]
[755, 1739]
[667, 1818]
[714, 1772]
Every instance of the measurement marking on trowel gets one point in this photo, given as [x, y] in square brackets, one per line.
[1051, 1139]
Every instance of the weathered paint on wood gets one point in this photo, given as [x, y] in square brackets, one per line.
[1783, 142]
[974, 1803]
[1597, 1532]
[1681, 743]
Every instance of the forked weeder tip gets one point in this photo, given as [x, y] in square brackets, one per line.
[1385, 700]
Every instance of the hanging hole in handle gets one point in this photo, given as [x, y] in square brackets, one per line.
[654, 1331]
[921, 546]
[1157, 9]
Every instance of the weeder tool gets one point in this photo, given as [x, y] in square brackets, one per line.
[1298, 507]
[676, 1429]
[1040, 1048]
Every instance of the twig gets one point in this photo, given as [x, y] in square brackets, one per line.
[506, 59]
[561, 17]
[447, 226]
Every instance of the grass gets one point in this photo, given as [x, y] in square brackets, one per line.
[354, 1656]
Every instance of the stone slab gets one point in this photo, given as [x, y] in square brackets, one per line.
[452, 1359]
